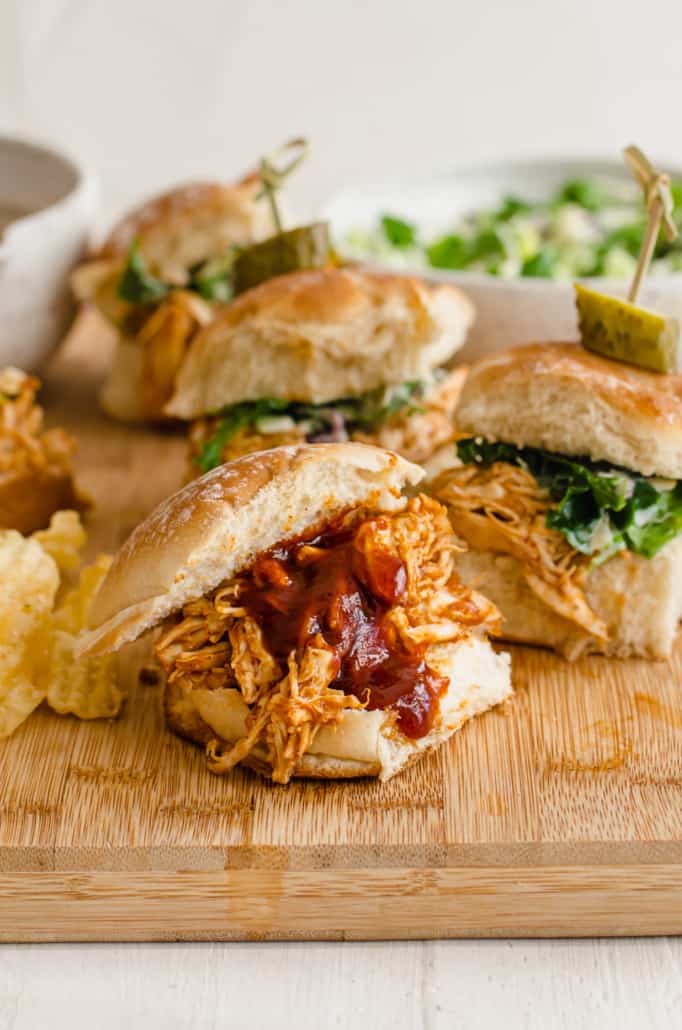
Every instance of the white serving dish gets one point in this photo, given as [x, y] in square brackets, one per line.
[508, 311]
[51, 200]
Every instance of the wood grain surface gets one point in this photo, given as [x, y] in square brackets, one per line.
[558, 814]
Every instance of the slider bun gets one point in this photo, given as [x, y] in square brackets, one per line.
[217, 525]
[175, 231]
[561, 397]
[640, 600]
[364, 743]
[191, 223]
[121, 393]
[320, 334]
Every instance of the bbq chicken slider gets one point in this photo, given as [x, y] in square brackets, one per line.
[159, 276]
[570, 500]
[312, 623]
[325, 354]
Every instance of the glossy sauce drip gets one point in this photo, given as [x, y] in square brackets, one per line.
[327, 587]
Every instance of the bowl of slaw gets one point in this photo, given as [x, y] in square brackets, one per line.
[514, 235]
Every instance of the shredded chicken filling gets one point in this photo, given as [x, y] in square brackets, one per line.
[294, 677]
[502, 508]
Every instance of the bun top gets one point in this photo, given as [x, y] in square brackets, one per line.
[318, 335]
[563, 398]
[217, 525]
[190, 224]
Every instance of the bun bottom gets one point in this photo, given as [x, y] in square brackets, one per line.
[639, 599]
[184, 719]
[121, 393]
[364, 743]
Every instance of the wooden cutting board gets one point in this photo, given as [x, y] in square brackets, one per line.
[557, 814]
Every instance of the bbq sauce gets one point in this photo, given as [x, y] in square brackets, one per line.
[327, 587]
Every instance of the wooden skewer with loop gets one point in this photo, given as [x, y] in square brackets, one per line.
[659, 207]
[287, 250]
[622, 330]
[273, 174]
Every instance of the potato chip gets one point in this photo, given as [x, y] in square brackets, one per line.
[37, 641]
[64, 539]
[18, 698]
[71, 614]
[85, 687]
[29, 580]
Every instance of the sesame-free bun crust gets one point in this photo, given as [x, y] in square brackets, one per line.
[191, 223]
[320, 334]
[561, 397]
[364, 743]
[216, 526]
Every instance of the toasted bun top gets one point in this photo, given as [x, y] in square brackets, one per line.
[217, 525]
[318, 335]
[565, 399]
[191, 223]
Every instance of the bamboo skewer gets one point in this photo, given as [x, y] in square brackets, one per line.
[272, 177]
[659, 206]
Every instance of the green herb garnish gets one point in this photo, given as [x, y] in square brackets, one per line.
[541, 265]
[449, 252]
[398, 232]
[213, 279]
[137, 284]
[600, 509]
[510, 207]
[587, 193]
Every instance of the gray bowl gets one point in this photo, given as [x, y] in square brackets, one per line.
[48, 202]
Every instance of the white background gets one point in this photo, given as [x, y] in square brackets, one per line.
[156, 91]
[160, 91]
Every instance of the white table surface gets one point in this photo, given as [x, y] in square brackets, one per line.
[522, 985]
[153, 94]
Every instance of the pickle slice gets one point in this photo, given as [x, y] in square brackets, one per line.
[307, 246]
[622, 331]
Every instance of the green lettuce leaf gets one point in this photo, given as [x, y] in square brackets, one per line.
[211, 280]
[376, 406]
[600, 509]
[138, 285]
[451, 251]
[588, 193]
[232, 421]
[398, 232]
[365, 412]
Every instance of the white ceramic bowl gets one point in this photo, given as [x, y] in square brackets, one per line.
[47, 206]
[508, 311]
